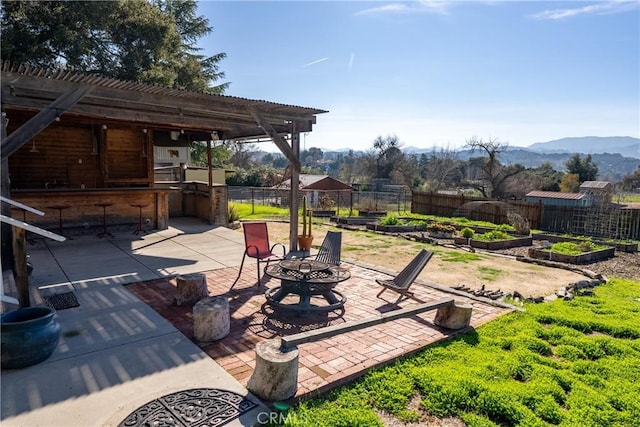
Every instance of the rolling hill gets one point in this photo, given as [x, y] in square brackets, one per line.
[624, 145]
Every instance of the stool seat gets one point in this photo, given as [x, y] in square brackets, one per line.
[139, 229]
[60, 208]
[104, 206]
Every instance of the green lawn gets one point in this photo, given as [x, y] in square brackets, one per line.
[568, 363]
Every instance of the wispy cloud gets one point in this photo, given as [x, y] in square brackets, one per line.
[316, 61]
[423, 6]
[599, 8]
[351, 59]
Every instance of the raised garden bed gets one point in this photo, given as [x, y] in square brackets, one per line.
[619, 246]
[583, 258]
[400, 228]
[494, 244]
[440, 235]
[355, 220]
[368, 213]
[323, 213]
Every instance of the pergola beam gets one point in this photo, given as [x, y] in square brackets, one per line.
[277, 139]
[44, 118]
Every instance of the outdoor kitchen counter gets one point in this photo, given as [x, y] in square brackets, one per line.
[80, 206]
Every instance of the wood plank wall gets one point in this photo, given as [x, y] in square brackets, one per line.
[126, 156]
[430, 203]
[67, 155]
[59, 157]
[609, 223]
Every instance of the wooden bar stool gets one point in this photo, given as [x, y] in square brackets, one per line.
[140, 228]
[104, 232]
[60, 208]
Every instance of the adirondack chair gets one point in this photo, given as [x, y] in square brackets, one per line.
[330, 250]
[256, 242]
[403, 281]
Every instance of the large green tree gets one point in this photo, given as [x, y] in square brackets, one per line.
[147, 41]
[584, 167]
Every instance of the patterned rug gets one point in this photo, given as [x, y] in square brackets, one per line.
[61, 301]
[197, 407]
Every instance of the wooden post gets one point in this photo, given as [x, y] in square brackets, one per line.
[456, 316]
[294, 191]
[20, 260]
[275, 376]
[5, 191]
[211, 319]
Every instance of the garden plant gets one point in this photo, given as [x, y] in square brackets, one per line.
[567, 363]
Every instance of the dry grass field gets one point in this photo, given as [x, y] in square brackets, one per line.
[449, 266]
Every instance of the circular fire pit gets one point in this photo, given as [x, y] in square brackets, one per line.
[312, 281]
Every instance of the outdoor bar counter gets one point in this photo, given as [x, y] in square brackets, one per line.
[85, 209]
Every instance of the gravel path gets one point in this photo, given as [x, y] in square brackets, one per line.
[623, 265]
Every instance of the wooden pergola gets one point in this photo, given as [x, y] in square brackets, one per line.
[37, 100]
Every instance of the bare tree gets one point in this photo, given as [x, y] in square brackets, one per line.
[442, 169]
[384, 156]
[243, 155]
[493, 172]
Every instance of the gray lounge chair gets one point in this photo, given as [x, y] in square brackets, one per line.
[330, 250]
[403, 281]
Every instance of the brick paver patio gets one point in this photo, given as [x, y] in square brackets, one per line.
[324, 364]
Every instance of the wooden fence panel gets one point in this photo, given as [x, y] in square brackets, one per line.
[450, 205]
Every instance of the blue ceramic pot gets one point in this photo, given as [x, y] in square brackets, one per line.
[28, 336]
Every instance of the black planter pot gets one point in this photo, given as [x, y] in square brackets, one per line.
[28, 336]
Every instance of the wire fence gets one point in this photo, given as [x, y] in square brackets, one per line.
[331, 202]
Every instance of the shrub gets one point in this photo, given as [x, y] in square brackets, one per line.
[325, 202]
[467, 233]
[233, 213]
[493, 235]
[390, 219]
[520, 224]
[575, 248]
[438, 227]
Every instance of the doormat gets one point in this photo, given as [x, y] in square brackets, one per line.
[61, 301]
[197, 407]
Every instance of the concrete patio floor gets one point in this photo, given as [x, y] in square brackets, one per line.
[127, 345]
[116, 353]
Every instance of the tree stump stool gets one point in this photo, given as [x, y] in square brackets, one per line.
[456, 316]
[191, 288]
[276, 374]
[211, 319]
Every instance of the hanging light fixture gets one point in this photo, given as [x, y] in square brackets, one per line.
[144, 142]
[94, 142]
[33, 147]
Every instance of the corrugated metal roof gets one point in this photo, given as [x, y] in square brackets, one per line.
[316, 182]
[556, 195]
[595, 184]
[108, 82]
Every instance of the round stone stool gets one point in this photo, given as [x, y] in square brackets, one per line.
[211, 319]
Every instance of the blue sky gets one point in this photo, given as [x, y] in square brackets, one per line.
[436, 73]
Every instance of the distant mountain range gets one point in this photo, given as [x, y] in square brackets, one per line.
[615, 156]
[624, 145]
